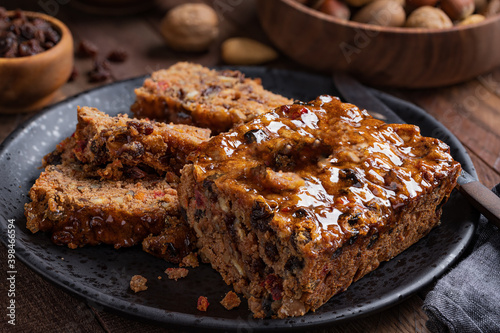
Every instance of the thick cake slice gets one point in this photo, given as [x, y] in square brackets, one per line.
[294, 206]
[120, 146]
[79, 210]
[189, 93]
[114, 182]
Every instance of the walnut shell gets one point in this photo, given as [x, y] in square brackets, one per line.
[190, 27]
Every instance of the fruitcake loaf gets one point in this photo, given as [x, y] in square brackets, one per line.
[79, 210]
[189, 93]
[297, 204]
[136, 201]
[123, 147]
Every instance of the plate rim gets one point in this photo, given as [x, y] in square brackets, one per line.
[207, 322]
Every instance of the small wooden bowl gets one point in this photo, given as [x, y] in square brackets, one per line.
[382, 56]
[29, 83]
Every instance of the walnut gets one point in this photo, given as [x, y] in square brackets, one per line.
[428, 17]
[190, 27]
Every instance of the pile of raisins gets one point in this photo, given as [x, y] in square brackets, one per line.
[21, 36]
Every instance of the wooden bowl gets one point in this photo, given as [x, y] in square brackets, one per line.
[29, 83]
[383, 56]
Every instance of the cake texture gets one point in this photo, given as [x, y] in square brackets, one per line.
[189, 93]
[114, 182]
[79, 210]
[294, 206]
[121, 147]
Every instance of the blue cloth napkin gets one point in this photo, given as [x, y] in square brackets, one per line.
[467, 298]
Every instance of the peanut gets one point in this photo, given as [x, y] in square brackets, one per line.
[476, 18]
[245, 51]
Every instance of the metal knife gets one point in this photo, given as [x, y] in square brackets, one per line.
[476, 193]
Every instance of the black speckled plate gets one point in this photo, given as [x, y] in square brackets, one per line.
[101, 274]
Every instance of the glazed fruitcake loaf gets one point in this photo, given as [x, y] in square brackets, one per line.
[189, 93]
[120, 146]
[79, 210]
[294, 206]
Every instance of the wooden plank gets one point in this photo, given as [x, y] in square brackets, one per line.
[461, 111]
[114, 323]
[404, 317]
[488, 176]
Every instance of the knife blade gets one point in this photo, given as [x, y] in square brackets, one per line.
[478, 195]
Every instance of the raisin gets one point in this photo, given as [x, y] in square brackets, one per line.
[354, 219]
[100, 72]
[372, 241]
[229, 222]
[354, 236]
[236, 74]
[294, 264]
[171, 250]
[267, 307]
[284, 162]
[198, 214]
[300, 213]
[53, 159]
[274, 286]
[349, 176]
[133, 150]
[99, 151]
[261, 215]
[258, 266]
[86, 49]
[337, 253]
[73, 75]
[135, 173]
[250, 136]
[28, 31]
[207, 184]
[40, 24]
[141, 127]
[271, 252]
[30, 47]
[52, 36]
[211, 90]
[118, 55]
[183, 213]
[3, 13]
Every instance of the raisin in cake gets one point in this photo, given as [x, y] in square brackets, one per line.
[189, 93]
[294, 206]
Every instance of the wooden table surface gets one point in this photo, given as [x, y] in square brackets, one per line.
[471, 110]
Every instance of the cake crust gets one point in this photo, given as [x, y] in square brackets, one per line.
[188, 93]
[80, 211]
[294, 206]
